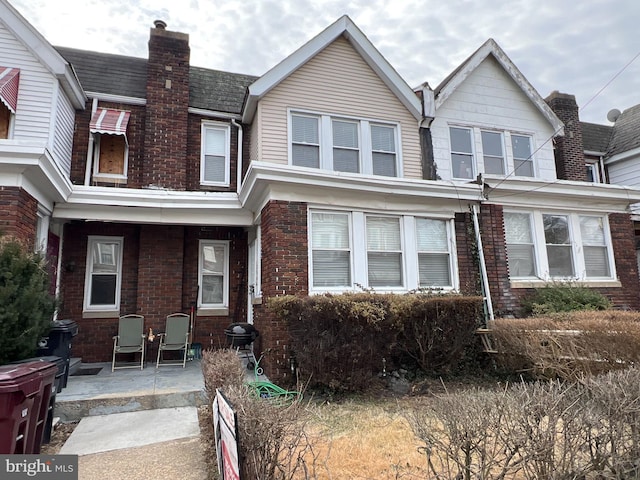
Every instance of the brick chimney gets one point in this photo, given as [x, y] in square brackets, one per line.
[166, 119]
[569, 151]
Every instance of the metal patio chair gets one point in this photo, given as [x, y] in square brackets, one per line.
[130, 340]
[174, 338]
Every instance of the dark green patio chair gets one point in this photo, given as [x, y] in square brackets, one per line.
[174, 338]
[130, 340]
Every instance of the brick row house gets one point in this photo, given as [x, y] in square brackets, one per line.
[190, 187]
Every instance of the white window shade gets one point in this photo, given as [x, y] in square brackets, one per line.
[330, 230]
[215, 154]
[305, 129]
[383, 233]
[596, 255]
[434, 266]
[384, 252]
[330, 250]
[520, 248]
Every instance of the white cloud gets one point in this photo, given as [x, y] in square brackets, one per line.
[574, 47]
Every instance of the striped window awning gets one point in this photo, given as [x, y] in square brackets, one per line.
[9, 80]
[109, 121]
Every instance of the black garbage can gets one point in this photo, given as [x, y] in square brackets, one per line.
[58, 343]
[56, 388]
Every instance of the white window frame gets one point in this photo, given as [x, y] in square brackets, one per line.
[97, 137]
[530, 159]
[484, 154]
[93, 240]
[226, 129]
[576, 243]
[325, 133]
[313, 248]
[409, 253]
[471, 154]
[594, 168]
[225, 275]
[450, 253]
[255, 263]
[401, 251]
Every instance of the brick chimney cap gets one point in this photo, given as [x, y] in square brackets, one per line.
[161, 24]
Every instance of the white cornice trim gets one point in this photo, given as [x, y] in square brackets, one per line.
[265, 181]
[153, 206]
[491, 47]
[343, 26]
[563, 194]
[593, 153]
[107, 97]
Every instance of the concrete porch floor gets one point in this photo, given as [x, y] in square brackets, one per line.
[130, 390]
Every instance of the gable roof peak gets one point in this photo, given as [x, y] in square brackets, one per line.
[346, 28]
[491, 48]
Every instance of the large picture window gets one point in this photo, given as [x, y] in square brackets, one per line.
[104, 274]
[214, 274]
[558, 245]
[387, 253]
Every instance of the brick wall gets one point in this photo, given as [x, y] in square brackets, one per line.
[18, 215]
[166, 114]
[467, 255]
[284, 272]
[622, 238]
[569, 151]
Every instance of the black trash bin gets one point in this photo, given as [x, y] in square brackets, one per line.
[56, 388]
[58, 343]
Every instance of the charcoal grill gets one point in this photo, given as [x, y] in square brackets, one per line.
[241, 337]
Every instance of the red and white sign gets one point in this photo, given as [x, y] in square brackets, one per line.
[226, 433]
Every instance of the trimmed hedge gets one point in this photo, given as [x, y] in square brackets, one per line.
[340, 341]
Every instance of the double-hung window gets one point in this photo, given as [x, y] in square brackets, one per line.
[305, 141]
[331, 250]
[520, 247]
[522, 155]
[344, 144]
[461, 152]
[558, 245]
[213, 274]
[103, 274]
[215, 155]
[384, 252]
[434, 263]
[492, 151]
[110, 149]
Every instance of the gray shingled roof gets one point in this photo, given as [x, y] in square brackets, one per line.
[626, 132]
[127, 76]
[595, 138]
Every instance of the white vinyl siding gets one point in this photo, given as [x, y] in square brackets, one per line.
[351, 250]
[63, 138]
[336, 81]
[550, 245]
[103, 274]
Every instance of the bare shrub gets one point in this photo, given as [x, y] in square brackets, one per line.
[221, 369]
[274, 443]
[569, 345]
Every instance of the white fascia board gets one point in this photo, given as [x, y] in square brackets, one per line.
[262, 179]
[154, 215]
[490, 47]
[107, 97]
[343, 26]
[564, 194]
[214, 114]
[32, 167]
[622, 156]
[44, 51]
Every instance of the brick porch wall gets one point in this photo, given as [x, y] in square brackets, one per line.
[18, 215]
[284, 272]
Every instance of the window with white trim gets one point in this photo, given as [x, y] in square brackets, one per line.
[522, 156]
[344, 144]
[103, 274]
[548, 245]
[215, 154]
[109, 152]
[461, 152]
[434, 259]
[493, 152]
[331, 250]
[6, 122]
[213, 274]
[593, 172]
[394, 253]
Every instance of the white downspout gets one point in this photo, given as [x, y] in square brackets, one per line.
[239, 162]
[483, 266]
[87, 170]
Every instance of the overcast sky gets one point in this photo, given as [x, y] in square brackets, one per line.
[574, 46]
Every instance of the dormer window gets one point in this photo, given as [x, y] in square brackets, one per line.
[110, 147]
[215, 167]
[9, 82]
